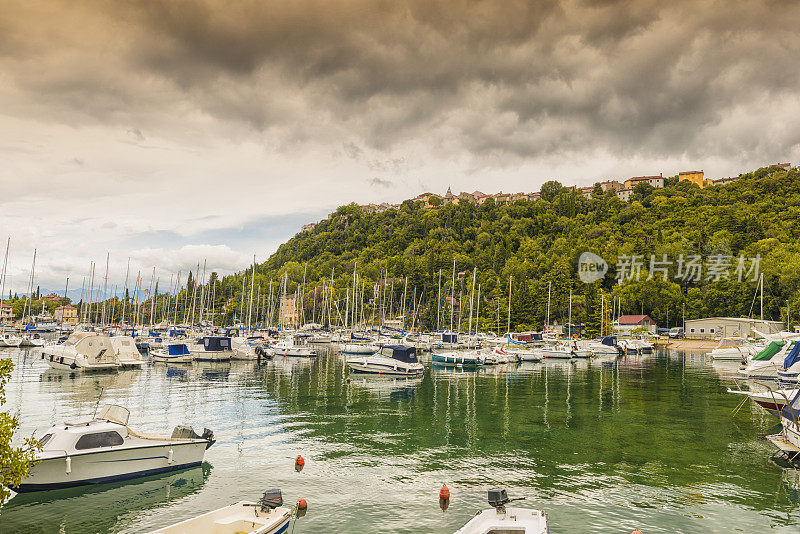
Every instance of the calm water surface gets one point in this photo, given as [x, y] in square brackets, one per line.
[646, 442]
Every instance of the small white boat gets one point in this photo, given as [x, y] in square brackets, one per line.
[268, 516]
[353, 348]
[212, 349]
[31, 339]
[733, 349]
[766, 363]
[394, 360]
[173, 353]
[104, 449]
[502, 520]
[87, 351]
[7, 339]
[772, 400]
[788, 439]
[561, 350]
[294, 346]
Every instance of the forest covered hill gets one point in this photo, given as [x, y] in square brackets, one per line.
[534, 243]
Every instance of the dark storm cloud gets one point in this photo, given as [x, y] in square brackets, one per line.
[506, 77]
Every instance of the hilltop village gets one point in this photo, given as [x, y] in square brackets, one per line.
[623, 190]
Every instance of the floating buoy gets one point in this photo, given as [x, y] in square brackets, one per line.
[348, 379]
[299, 463]
[444, 493]
[302, 504]
[636, 531]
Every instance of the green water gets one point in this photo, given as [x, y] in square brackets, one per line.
[645, 442]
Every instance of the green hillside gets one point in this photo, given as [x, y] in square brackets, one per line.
[537, 242]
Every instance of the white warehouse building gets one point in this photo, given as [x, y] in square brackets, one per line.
[719, 327]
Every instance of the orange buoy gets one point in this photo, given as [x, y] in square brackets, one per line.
[636, 531]
[302, 504]
[348, 379]
[444, 493]
[299, 463]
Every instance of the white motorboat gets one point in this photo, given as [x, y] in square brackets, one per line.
[126, 353]
[104, 449]
[212, 349]
[766, 363]
[522, 354]
[791, 365]
[268, 516]
[31, 339]
[88, 351]
[354, 348]
[772, 400]
[502, 520]
[173, 353]
[294, 346]
[395, 360]
[604, 346]
[7, 339]
[560, 350]
[733, 349]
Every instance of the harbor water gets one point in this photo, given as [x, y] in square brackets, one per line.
[646, 442]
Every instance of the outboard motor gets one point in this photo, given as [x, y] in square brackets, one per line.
[270, 500]
[209, 436]
[498, 498]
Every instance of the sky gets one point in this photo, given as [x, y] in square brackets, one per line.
[176, 131]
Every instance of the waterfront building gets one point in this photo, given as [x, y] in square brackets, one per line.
[626, 323]
[719, 327]
[66, 314]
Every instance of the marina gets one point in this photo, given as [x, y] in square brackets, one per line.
[641, 441]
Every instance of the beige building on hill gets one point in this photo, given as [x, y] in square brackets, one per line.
[288, 312]
[6, 312]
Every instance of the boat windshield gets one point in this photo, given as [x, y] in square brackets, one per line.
[730, 342]
[114, 414]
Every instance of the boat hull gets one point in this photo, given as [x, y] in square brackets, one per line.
[455, 360]
[111, 465]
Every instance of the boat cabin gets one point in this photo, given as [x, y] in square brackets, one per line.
[215, 343]
[399, 353]
[178, 349]
[97, 348]
[107, 429]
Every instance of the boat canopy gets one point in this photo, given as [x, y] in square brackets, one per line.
[400, 353]
[216, 343]
[611, 341]
[174, 332]
[731, 342]
[358, 338]
[792, 409]
[770, 351]
[449, 338]
[178, 349]
[114, 414]
[793, 356]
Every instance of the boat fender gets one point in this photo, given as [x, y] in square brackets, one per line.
[73, 366]
[302, 504]
[444, 493]
[169, 457]
[68, 469]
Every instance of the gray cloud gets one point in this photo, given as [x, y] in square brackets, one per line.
[520, 78]
[379, 182]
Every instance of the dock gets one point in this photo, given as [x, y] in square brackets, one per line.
[783, 444]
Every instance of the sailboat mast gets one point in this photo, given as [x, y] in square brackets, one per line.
[510, 278]
[252, 285]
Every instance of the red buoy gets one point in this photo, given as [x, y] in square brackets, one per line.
[636, 531]
[299, 463]
[444, 493]
[302, 504]
[348, 379]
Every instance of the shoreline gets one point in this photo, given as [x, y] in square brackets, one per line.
[691, 344]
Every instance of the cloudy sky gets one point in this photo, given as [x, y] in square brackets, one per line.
[172, 131]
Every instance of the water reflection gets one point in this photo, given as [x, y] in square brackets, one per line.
[87, 509]
[599, 444]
